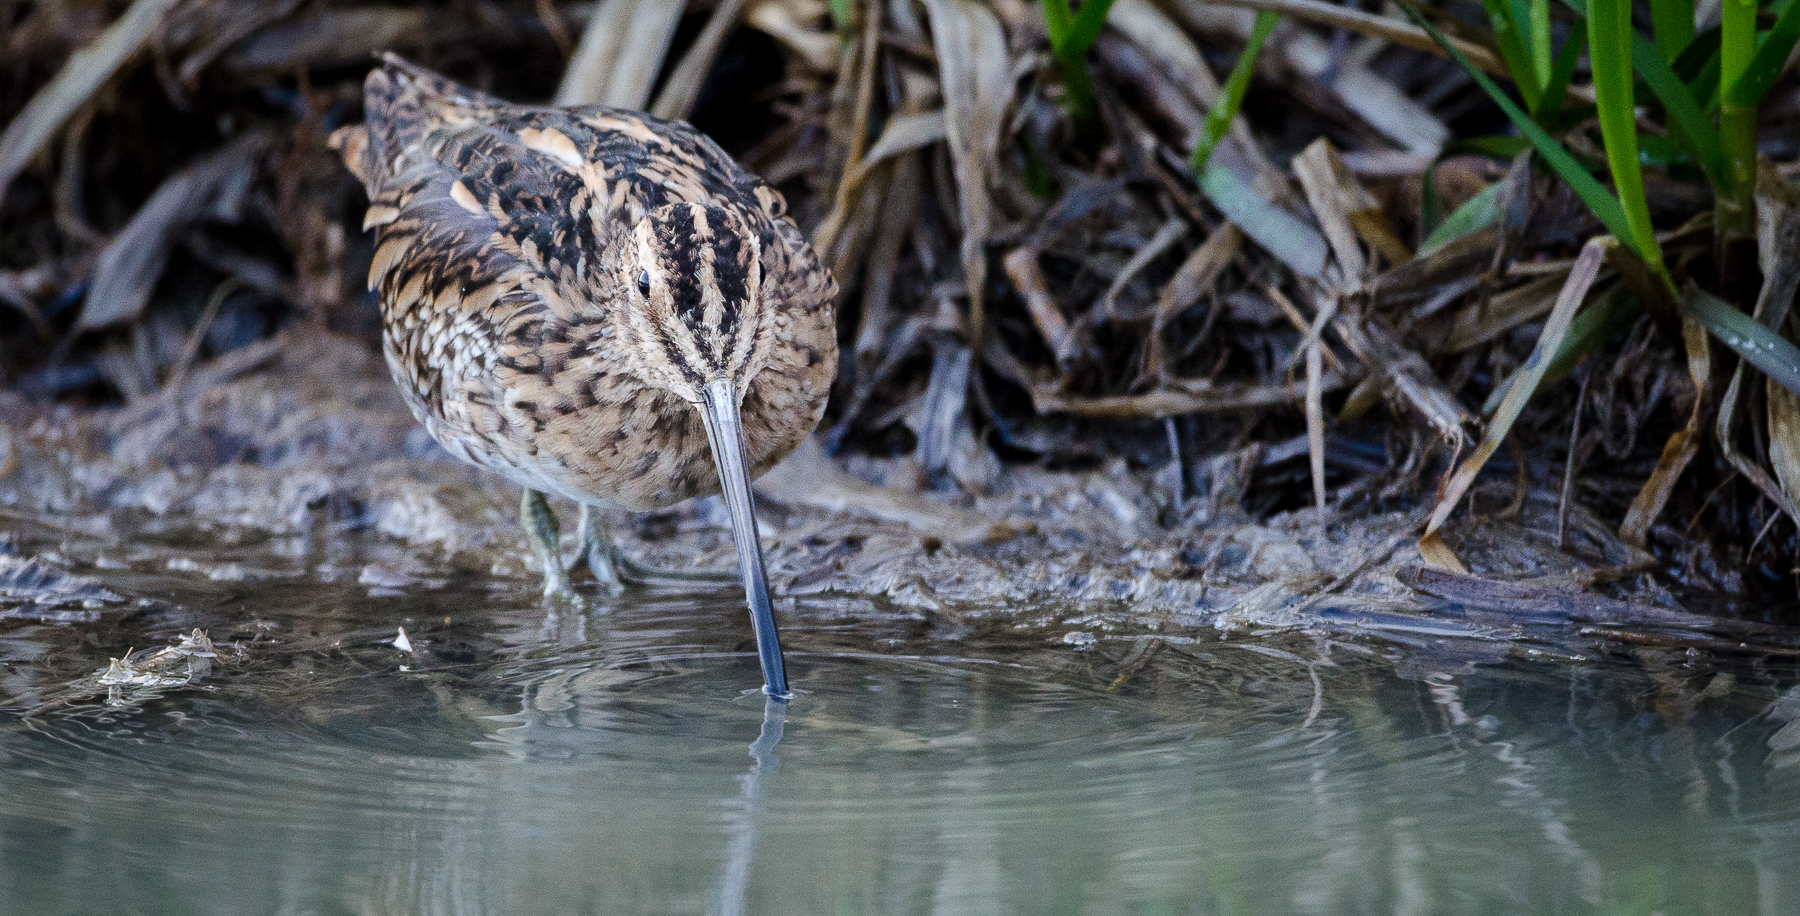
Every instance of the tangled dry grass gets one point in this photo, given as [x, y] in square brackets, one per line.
[1018, 289]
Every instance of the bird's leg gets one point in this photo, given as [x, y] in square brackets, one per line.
[541, 531]
[596, 548]
[611, 567]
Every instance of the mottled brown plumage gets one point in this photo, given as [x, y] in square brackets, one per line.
[501, 236]
[560, 286]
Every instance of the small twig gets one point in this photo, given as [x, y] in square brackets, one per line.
[1568, 481]
[682, 89]
[1027, 276]
[850, 178]
[195, 337]
[553, 23]
[1304, 327]
[1522, 487]
[1764, 532]
[1315, 421]
[1687, 531]
[1383, 27]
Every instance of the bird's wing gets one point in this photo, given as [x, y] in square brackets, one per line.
[454, 190]
[482, 249]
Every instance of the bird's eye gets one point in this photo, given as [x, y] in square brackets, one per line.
[644, 283]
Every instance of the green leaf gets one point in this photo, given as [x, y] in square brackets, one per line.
[1476, 213]
[1609, 55]
[1734, 211]
[1706, 85]
[1759, 346]
[1560, 73]
[1604, 206]
[1088, 22]
[1605, 318]
[1687, 120]
[1694, 58]
[1279, 232]
[1231, 99]
[1664, 152]
[1760, 73]
[1737, 41]
[1036, 175]
[1071, 37]
[1429, 207]
[1056, 20]
[843, 15]
[1673, 21]
[1495, 147]
[1511, 45]
[1542, 51]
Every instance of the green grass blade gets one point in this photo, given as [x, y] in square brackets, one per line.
[1226, 106]
[1608, 316]
[843, 15]
[1511, 44]
[1737, 39]
[1056, 21]
[1072, 35]
[1694, 58]
[1087, 23]
[1539, 44]
[1664, 152]
[1706, 86]
[1609, 54]
[1494, 147]
[1697, 64]
[1429, 206]
[1759, 346]
[1604, 206]
[1760, 73]
[1673, 21]
[1279, 232]
[1561, 71]
[1476, 213]
[1687, 120]
[1734, 212]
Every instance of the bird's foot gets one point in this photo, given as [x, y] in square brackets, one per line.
[611, 568]
[638, 574]
[545, 539]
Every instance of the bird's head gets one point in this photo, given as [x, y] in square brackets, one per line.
[693, 315]
[692, 279]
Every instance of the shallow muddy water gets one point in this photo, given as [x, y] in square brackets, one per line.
[604, 757]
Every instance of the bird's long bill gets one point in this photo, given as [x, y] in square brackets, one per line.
[725, 430]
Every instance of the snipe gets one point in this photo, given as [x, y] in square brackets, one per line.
[593, 303]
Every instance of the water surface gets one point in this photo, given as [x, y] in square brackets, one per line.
[604, 757]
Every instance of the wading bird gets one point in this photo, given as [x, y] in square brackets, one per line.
[593, 303]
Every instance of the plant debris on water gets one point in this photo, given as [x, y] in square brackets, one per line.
[1190, 315]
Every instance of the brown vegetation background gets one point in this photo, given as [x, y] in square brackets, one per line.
[1016, 292]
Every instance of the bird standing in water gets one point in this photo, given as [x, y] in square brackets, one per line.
[593, 303]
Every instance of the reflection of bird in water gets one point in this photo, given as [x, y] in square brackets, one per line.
[584, 300]
[740, 853]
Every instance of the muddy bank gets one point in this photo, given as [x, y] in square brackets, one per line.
[302, 440]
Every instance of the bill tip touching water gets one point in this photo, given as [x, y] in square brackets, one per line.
[595, 304]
